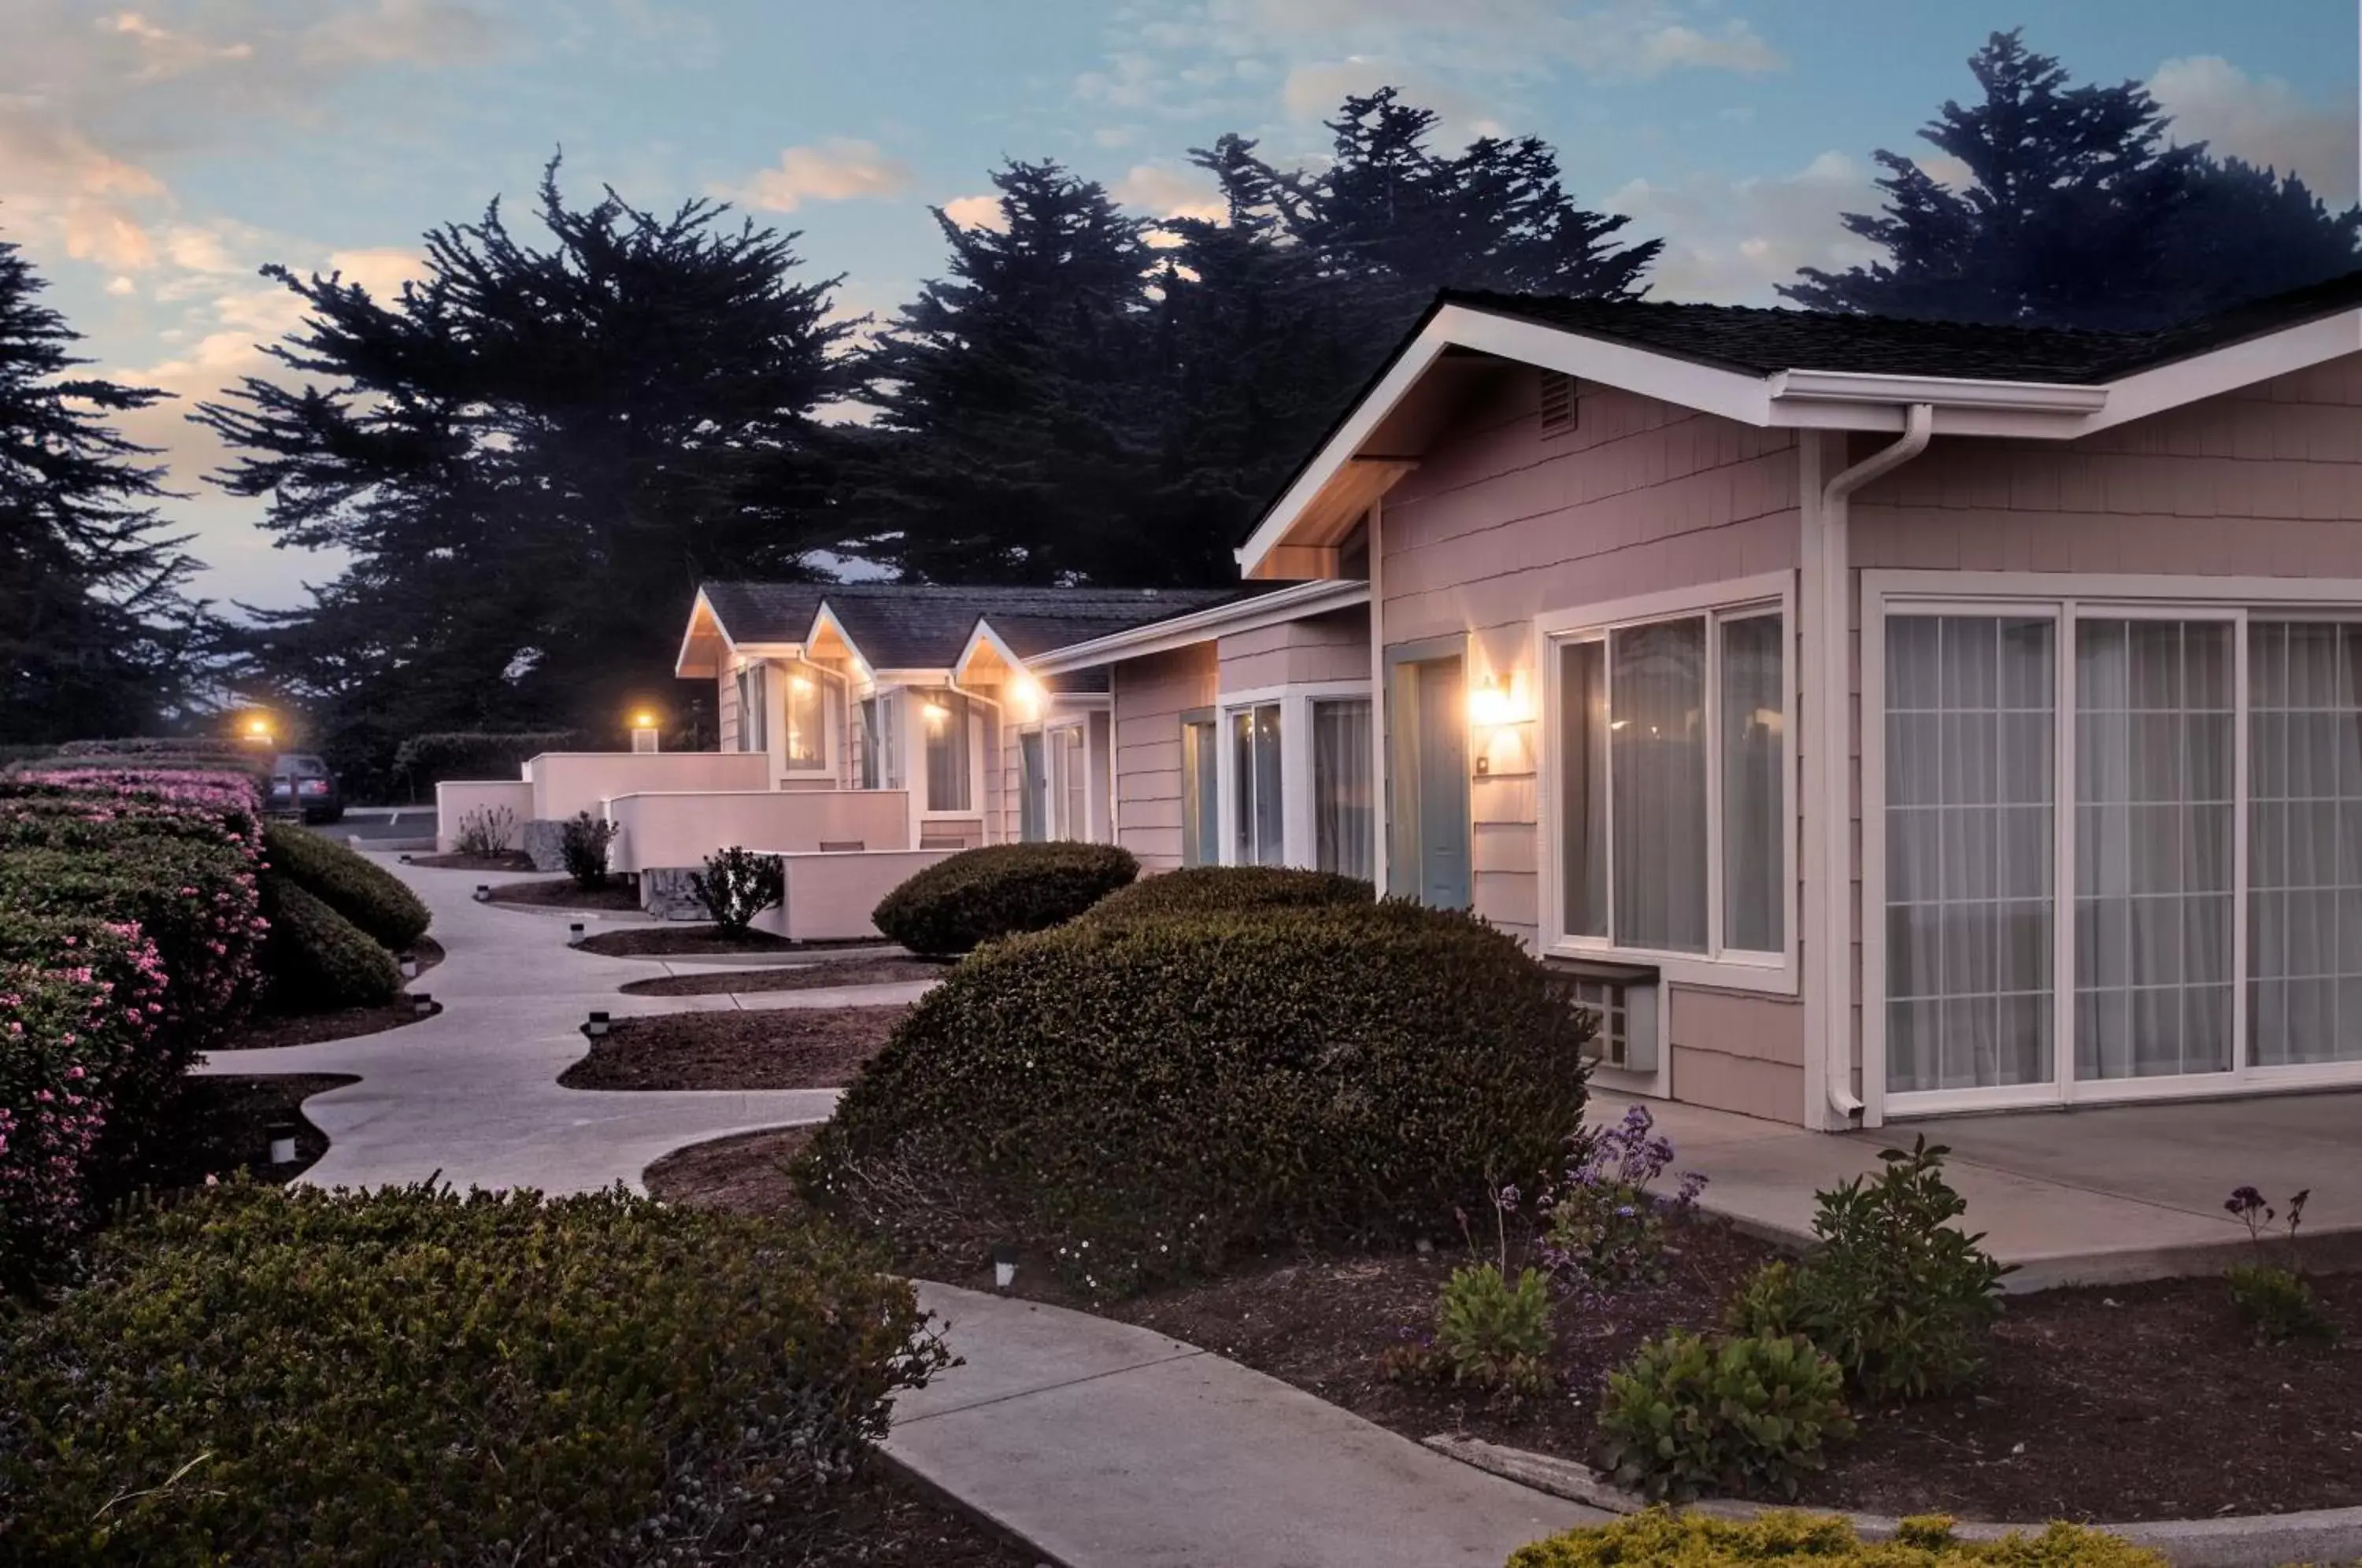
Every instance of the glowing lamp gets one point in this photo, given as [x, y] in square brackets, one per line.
[1025, 691]
[800, 683]
[643, 731]
[936, 713]
[1491, 704]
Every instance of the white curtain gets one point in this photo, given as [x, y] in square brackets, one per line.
[1033, 788]
[1583, 814]
[1971, 808]
[1344, 819]
[2304, 843]
[807, 722]
[1658, 751]
[2153, 847]
[947, 751]
[1754, 836]
[1261, 832]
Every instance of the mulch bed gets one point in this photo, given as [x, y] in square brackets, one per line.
[670, 941]
[219, 1125]
[834, 972]
[882, 1518]
[787, 1048]
[2108, 1402]
[564, 893]
[515, 860]
[267, 1028]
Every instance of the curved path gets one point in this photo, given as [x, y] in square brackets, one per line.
[473, 1092]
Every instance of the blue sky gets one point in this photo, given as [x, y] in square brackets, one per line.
[152, 156]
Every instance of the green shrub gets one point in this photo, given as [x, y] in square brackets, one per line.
[1660, 1538]
[427, 760]
[1217, 890]
[486, 832]
[2277, 1303]
[582, 842]
[737, 885]
[317, 960]
[1151, 1095]
[1691, 1414]
[1894, 1293]
[977, 895]
[347, 882]
[294, 1379]
[1492, 1333]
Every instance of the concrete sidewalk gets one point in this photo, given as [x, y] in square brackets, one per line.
[2096, 1196]
[1110, 1446]
[473, 1092]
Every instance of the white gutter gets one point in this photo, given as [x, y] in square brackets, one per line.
[1292, 603]
[1829, 558]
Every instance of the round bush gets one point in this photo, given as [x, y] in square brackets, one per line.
[1691, 1414]
[347, 881]
[977, 895]
[1149, 1095]
[291, 1377]
[1215, 889]
[316, 958]
[1660, 1538]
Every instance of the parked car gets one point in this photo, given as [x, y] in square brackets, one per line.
[302, 785]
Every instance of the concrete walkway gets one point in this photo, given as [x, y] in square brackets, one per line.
[1110, 1446]
[2095, 1196]
[473, 1094]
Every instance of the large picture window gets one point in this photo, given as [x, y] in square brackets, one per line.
[1672, 811]
[807, 715]
[945, 715]
[2120, 848]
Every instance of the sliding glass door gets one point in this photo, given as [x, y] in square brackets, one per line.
[2192, 920]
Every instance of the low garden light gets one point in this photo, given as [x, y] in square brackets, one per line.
[282, 1142]
[1004, 1266]
[424, 1005]
[595, 1026]
[483, 893]
[409, 965]
[576, 934]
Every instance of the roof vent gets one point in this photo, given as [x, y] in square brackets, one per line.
[1557, 401]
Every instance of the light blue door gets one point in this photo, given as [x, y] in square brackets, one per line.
[1427, 856]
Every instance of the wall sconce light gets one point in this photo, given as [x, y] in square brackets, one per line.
[1025, 692]
[574, 934]
[799, 683]
[935, 712]
[282, 1142]
[1492, 704]
[595, 1026]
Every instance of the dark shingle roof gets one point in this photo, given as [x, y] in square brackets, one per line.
[1763, 342]
[924, 626]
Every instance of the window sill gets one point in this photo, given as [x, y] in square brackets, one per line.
[1766, 975]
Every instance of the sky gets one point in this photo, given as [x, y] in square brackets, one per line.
[152, 158]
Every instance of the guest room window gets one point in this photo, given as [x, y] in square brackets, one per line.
[1033, 788]
[873, 744]
[1069, 783]
[1344, 818]
[807, 714]
[1672, 815]
[1201, 798]
[945, 716]
[1259, 819]
[754, 702]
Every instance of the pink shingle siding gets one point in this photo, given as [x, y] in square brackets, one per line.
[1150, 696]
[1323, 647]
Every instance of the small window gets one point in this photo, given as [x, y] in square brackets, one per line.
[1201, 792]
[754, 699]
[873, 746]
[1033, 790]
[1558, 402]
[807, 722]
[1258, 836]
[1344, 815]
[945, 714]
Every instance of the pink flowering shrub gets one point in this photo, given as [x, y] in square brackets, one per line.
[130, 939]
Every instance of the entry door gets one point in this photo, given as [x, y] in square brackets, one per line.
[1428, 826]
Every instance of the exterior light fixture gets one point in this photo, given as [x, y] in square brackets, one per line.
[1025, 692]
[1004, 1266]
[645, 736]
[410, 966]
[936, 713]
[1491, 705]
[595, 1026]
[800, 683]
[483, 893]
[405, 860]
[574, 934]
[424, 1005]
[282, 1142]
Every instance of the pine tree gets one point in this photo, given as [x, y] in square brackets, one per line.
[533, 456]
[2075, 212]
[96, 635]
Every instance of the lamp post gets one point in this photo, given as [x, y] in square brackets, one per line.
[644, 734]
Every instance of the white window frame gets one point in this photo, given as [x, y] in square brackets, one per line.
[2235, 600]
[913, 700]
[1097, 825]
[1210, 751]
[1300, 845]
[831, 689]
[1773, 973]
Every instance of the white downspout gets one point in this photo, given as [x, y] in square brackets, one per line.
[1832, 562]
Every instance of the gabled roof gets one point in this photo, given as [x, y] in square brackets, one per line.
[1781, 367]
[926, 627]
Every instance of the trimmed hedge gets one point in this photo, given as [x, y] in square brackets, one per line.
[1658, 1538]
[1151, 1096]
[956, 905]
[284, 1378]
[318, 959]
[347, 882]
[1218, 890]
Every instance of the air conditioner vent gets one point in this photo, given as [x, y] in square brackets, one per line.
[1558, 403]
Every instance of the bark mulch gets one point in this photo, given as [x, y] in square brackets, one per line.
[268, 1027]
[564, 893]
[881, 1519]
[2114, 1403]
[882, 971]
[787, 1048]
[219, 1125]
[685, 941]
[515, 860]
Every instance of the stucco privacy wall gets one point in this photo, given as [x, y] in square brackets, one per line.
[1335, 647]
[2265, 481]
[1150, 696]
[1499, 523]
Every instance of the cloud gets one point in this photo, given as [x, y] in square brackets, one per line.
[1612, 38]
[1729, 241]
[1167, 192]
[2261, 119]
[977, 212]
[839, 170]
